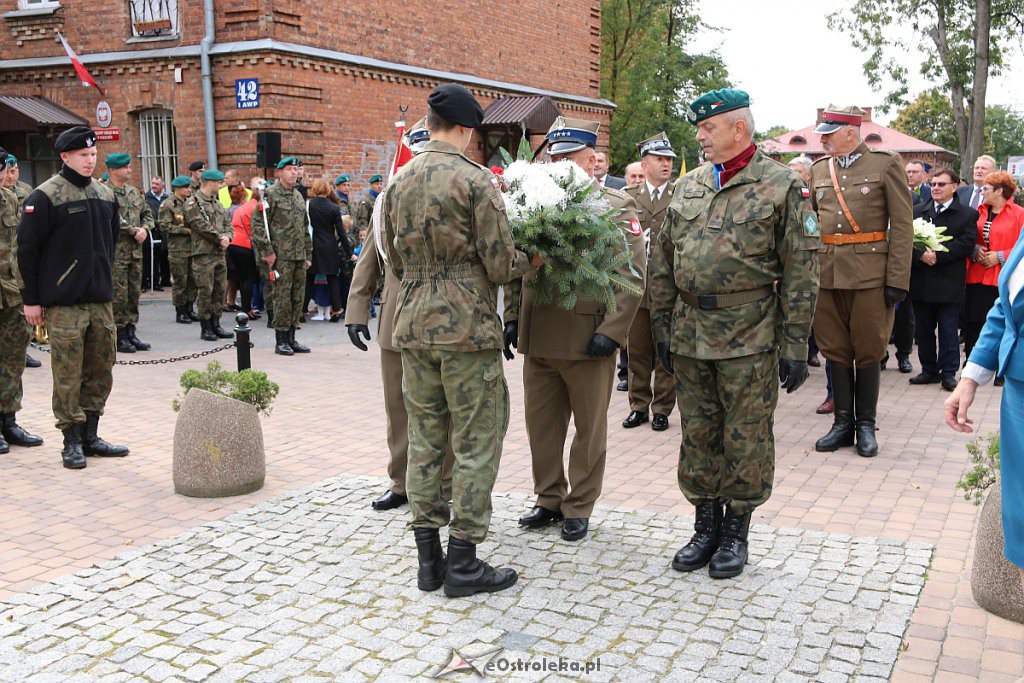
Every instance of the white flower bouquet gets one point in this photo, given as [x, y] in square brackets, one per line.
[927, 235]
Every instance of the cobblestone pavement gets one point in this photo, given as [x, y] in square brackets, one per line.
[309, 586]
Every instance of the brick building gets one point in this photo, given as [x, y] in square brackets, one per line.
[331, 75]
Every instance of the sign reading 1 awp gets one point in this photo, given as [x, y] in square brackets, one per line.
[247, 93]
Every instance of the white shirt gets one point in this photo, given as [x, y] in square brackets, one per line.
[980, 374]
[939, 208]
[655, 192]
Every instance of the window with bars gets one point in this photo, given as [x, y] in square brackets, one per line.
[159, 145]
[152, 18]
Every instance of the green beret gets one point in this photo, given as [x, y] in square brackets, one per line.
[117, 160]
[289, 161]
[12, 160]
[343, 178]
[212, 174]
[716, 102]
[376, 179]
[181, 181]
[105, 177]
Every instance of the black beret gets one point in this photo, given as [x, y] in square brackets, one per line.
[456, 104]
[197, 165]
[79, 137]
[3, 157]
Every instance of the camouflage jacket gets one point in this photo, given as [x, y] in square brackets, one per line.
[289, 225]
[171, 220]
[364, 212]
[134, 213]
[10, 293]
[756, 233]
[22, 190]
[448, 240]
[208, 222]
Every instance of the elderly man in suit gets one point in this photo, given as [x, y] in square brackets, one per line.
[971, 195]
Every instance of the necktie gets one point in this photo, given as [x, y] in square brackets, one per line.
[976, 197]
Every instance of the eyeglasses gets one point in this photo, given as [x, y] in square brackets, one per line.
[938, 184]
[987, 188]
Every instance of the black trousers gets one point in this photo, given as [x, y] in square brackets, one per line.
[903, 328]
[243, 262]
[944, 316]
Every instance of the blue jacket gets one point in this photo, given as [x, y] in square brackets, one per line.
[997, 348]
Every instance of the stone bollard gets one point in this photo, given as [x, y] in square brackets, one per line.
[218, 447]
[995, 581]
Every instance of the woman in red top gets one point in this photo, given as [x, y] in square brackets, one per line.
[240, 253]
[999, 225]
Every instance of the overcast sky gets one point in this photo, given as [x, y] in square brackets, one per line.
[784, 55]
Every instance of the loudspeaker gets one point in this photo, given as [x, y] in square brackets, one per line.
[268, 149]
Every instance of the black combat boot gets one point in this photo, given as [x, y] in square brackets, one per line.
[218, 330]
[4, 446]
[31, 362]
[190, 310]
[129, 333]
[182, 315]
[206, 334]
[270, 317]
[731, 556]
[841, 434]
[15, 435]
[706, 525]
[92, 444]
[72, 454]
[866, 403]
[430, 574]
[296, 346]
[282, 347]
[123, 345]
[466, 575]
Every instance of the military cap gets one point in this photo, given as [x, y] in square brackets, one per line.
[343, 178]
[834, 118]
[212, 174]
[658, 145]
[375, 178]
[197, 166]
[418, 135]
[11, 159]
[117, 160]
[6, 158]
[716, 102]
[288, 161]
[571, 135]
[181, 181]
[79, 137]
[456, 104]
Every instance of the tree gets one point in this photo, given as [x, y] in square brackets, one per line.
[647, 72]
[771, 133]
[969, 37]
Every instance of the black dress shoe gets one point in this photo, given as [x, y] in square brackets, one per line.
[904, 365]
[538, 517]
[660, 422]
[949, 382]
[389, 501]
[575, 528]
[635, 419]
[31, 362]
[1000, 381]
[622, 386]
[814, 362]
[925, 378]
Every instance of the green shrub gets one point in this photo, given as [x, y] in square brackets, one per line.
[984, 472]
[248, 386]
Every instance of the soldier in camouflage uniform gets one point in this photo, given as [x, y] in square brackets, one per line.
[733, 281]
[171, 220]
[65, 255]
[13, 182]
[343, 186]
[136, 224]
[447, 238]
[281, 236]
[364, 210]
[211, 232]
[14, 331]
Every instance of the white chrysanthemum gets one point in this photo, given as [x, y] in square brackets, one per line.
[540, 191]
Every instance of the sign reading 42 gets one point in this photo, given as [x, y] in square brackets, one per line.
[247, 93]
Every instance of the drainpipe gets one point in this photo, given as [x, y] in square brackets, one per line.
[204, 57]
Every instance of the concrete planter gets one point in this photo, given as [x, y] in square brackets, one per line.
[218, 447]
[995, 581]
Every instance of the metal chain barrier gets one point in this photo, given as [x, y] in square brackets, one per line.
[155, 361]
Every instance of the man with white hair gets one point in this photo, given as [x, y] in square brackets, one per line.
[970, 195]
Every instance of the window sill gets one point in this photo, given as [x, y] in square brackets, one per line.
[152, 39]
[33, 12]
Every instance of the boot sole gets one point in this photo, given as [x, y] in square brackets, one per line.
[725, 575]
[429, 587]
[464, 591]
[74, 467]
[832, 450]
[866, 455]
[689, 568]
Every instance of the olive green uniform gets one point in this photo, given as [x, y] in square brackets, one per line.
[21, 190]
[14, 331]
[208, 221]
[364, 212]
[135, 213]
[171, 219]
[291, 243]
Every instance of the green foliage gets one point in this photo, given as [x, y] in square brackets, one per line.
[984, 472]
[647, 72]
[771, 133]
[248, 386]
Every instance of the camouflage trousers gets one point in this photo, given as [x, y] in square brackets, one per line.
[726, 411]
[82, 347]
[289, 293]
[210, 272]
[183, 281]
[14, 336]
[268, 284]
[468, 391]
[127, 288]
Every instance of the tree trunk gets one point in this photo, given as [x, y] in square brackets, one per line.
[940, 37]
[976, 121]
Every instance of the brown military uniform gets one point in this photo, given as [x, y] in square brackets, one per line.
[643, 361]
[851, 321]
[561, 381]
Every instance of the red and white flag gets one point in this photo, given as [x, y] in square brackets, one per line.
[83, 74]
[403, 154]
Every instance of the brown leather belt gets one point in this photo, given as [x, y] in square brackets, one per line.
[710, 302]
[858, 238]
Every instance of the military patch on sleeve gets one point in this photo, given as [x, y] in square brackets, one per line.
[810, 225]
[496, 183]
[805, 193]
[634, 226]
[29, 208]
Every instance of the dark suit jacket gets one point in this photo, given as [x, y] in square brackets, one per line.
[614, 182]
[922, 197]
[944, 282]
[964, 194]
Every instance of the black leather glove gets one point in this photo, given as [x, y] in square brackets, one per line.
[792, 373]
[601, 346]
[511, 339]
[353, 333]
[665, 356]
[894, 295]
